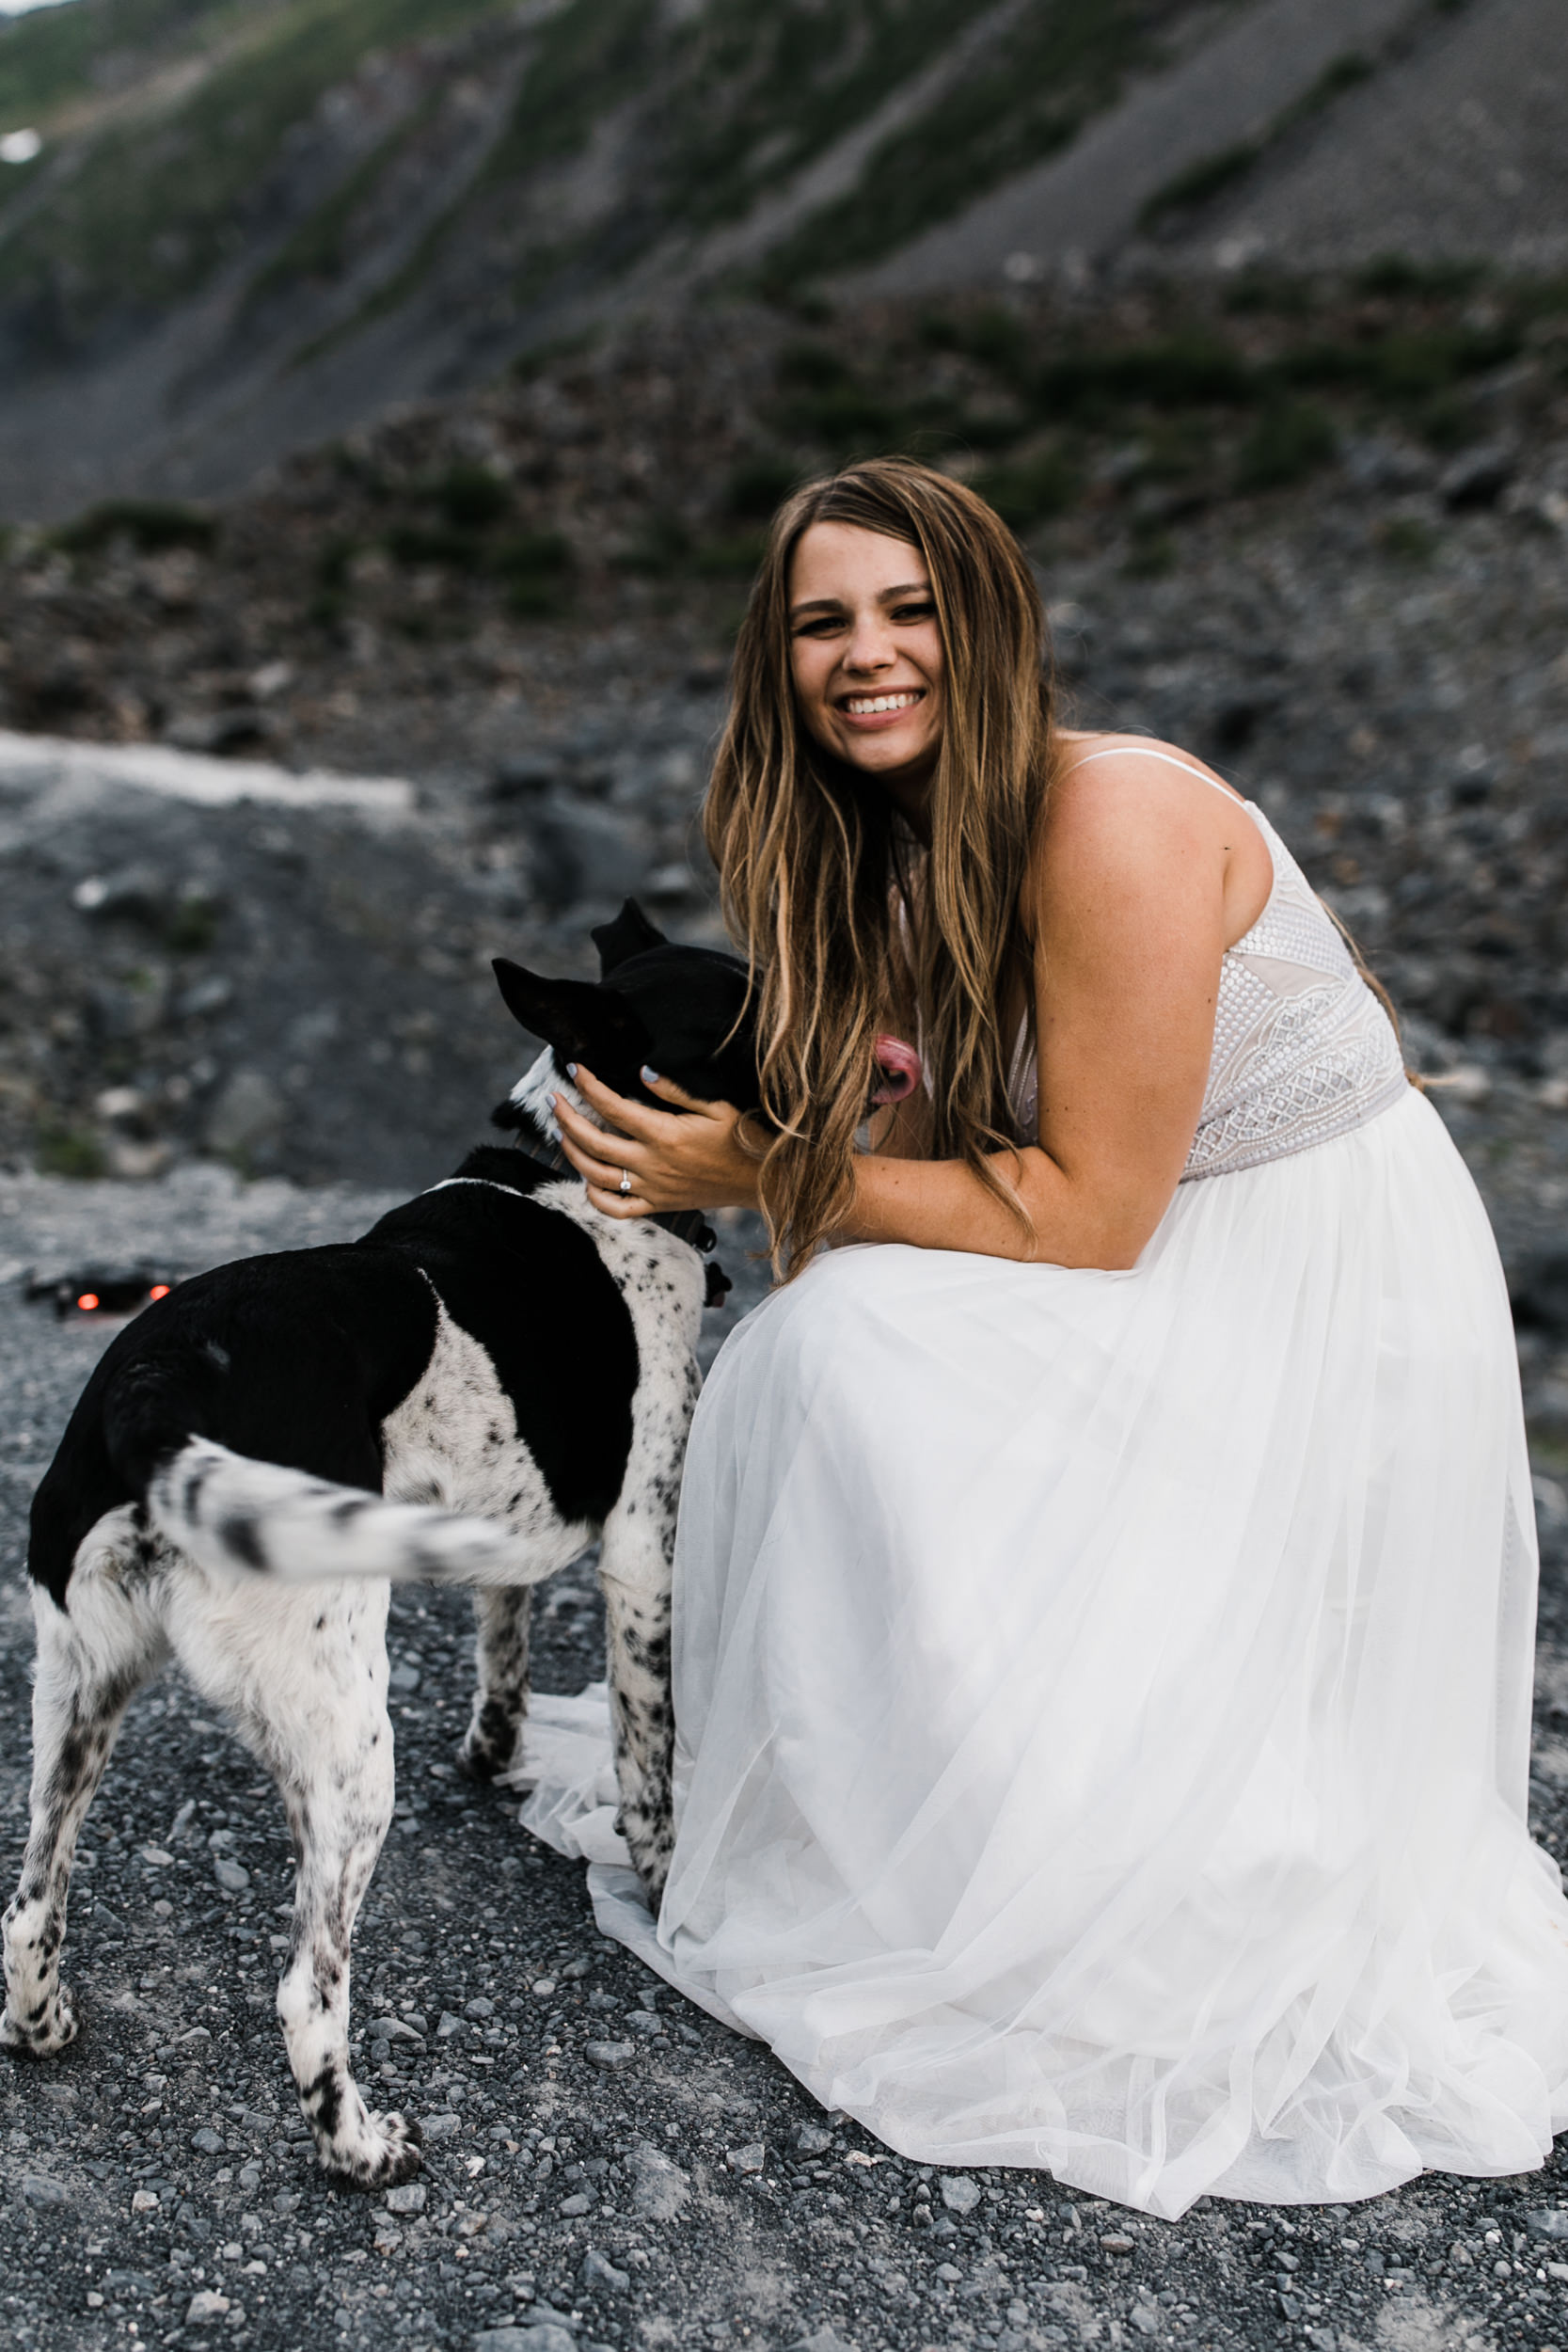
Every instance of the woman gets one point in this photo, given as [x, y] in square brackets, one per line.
[1104, 1606]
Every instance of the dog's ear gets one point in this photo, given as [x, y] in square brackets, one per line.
[579, 1020]
[630, 934]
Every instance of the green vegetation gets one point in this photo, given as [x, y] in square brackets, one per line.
[149, 524]
[1407, 539]
[157, 203]
[319, 248]
[1061, 62]
[1207, 178]
[49, 58]
[63, 1150]
[1290, 440]
[1034, 489]
[758, 485]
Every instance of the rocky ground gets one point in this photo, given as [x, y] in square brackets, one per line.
[1369, 638]
[606, 2166]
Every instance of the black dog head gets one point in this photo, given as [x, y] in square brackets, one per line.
[682, 1011]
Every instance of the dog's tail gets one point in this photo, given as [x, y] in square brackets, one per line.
[234, 1514]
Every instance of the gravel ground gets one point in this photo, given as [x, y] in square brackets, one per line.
[158, 2187]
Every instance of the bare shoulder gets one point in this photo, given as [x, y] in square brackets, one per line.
[1123, 805]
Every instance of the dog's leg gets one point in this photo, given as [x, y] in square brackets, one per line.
[493, 1740]
[634, 1572]
[89, 1666]
[307, 1687]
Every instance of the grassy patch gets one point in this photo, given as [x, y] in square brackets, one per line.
[1032, 490]
[1407, 539]
[758, 485]
[156, 204]
[1207, 178]
[64, 1150]
[320, 248]
[1063, 61]
[1181, 371]
[150, 524]
[1290, 440]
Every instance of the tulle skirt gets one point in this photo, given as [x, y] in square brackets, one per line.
[1104, 1699]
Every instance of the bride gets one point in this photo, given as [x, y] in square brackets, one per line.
[1105, 1584]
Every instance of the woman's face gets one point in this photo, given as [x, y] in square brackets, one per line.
[867, 654]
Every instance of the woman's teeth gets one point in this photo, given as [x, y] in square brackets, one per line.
[861, 705]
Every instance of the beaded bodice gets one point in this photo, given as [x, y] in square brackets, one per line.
[1303, 1050]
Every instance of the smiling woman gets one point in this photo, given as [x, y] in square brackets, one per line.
[1103, 1608]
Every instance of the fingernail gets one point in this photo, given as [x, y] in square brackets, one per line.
[571, 1070]
[650, 1077]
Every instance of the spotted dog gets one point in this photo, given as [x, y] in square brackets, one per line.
[490, 1378]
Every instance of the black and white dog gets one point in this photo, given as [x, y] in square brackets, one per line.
[490, 1378]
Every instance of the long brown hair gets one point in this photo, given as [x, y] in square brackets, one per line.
[825, 889]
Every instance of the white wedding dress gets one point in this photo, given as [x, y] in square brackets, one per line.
[1103, 1698]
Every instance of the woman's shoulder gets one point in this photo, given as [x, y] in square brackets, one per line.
[1131, 756]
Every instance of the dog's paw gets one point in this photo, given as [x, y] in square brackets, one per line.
[386, 2151]
[44, 2036]
[487, 1752]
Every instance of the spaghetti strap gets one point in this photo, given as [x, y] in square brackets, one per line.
[1146, 751]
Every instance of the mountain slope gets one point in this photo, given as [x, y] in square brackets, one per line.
[255, 223]
[291, 208]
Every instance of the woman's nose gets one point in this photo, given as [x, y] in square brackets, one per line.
[868, 648]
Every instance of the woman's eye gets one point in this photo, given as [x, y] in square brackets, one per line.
[909, 612]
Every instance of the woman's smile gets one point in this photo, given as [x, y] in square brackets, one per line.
[867, 654]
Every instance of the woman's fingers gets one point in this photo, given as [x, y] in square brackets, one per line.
[632, 1118]
[667, 1091]
[601, 1163]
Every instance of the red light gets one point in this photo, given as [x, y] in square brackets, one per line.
[159, 1289]
[88, 1301]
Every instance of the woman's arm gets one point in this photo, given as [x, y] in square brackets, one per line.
[1129, 917]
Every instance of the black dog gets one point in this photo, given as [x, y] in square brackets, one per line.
[494, 1348]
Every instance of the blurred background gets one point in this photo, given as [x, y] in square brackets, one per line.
[394, 393]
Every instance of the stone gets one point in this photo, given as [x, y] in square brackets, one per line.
[39, 2190]
[959, 2194]
[821, 2340]
[599, 2271]
[442, 2126]
[410, 2197]
[610, 2054]
[1547, 2221]
[248, 1110]
[1117, 2245]
[448, 2026]
[581, 850]
[1538, 1294]
[1145, 2318]
[751, 2158]
[535, 2335]
[479, 2007]
[207, 2141]
[1479, 477]
[812, 2140]
[231, 1876]
[206, 2303]
[204, 997]
[577, 2204]
[659, 2187]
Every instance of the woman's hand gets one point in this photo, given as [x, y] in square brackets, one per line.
[693, 1158]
